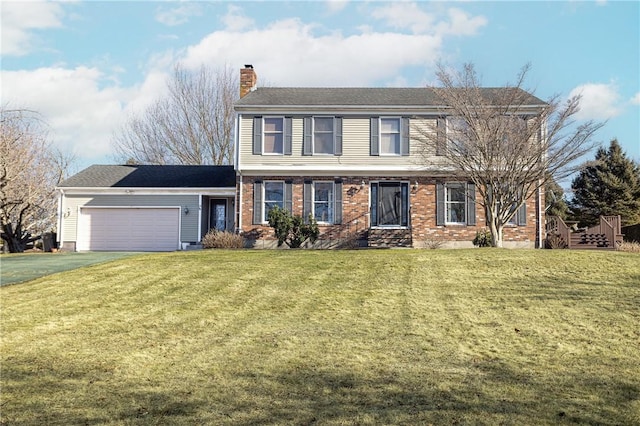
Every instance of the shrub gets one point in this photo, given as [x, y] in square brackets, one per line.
[222, 239]
[292, 230]
[483, 238]
[554, 241]
[629, 247]
[435, 244]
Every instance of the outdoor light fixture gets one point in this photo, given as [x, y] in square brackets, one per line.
[362, 184]
[186, 210]
[415, 185]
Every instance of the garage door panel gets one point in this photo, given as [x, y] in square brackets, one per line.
[129, 229]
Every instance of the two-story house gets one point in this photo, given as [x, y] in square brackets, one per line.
[352, 158]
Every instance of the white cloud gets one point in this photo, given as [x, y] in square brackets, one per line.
[335, 6]
[235, 20]
[19, 19]
[288, 53]
[177, 15]
[636, 99]
[405, 15]
[80, 112]
[461, 23]
[599, 101]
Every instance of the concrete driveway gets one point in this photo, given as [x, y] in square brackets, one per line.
[16, 268]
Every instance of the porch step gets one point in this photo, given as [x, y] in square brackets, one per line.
[582, 240]
[381, 237]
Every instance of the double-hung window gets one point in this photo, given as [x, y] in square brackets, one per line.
[273, 197]
[389, 136]
[455, 203]
[272, 135]
[323, 201]
[390, 204]
[322, 136]
[270, 194]
[273, 139]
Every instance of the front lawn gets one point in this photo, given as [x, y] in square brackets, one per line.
[482, 336]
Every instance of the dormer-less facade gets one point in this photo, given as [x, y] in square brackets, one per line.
[352, 158]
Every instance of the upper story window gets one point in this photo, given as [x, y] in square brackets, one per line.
[273, 139]
[272, 135]
[322, 135]
[389, 136]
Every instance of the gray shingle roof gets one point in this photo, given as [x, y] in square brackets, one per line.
[149, 176]
[356, 97]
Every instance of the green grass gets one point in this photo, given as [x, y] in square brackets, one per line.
[482, 336]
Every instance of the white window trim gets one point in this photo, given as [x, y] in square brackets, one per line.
[447, 202]
[313, 135]
[264, 197]
[389, 154]
[263, 134]
[332, 203]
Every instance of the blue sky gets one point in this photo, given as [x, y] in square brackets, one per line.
[86, 65]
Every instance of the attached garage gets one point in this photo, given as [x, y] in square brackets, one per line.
[128, 229]
[144, 207]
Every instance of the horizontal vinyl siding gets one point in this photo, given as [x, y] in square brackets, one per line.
[355, 148]
[188, 230]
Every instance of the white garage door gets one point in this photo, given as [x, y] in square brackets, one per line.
[128, 229]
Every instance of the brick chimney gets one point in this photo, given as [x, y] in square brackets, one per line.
[248, 80]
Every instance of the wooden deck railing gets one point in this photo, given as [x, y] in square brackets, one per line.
[606, 234]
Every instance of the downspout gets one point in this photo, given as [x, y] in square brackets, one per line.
[59, 239]
[239, 204]
[200, 217]
[540, 217]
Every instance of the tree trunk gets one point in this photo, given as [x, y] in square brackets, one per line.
[495, 229]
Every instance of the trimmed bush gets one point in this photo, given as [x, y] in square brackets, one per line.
[483, 238]
[222, 240]
[292, 230]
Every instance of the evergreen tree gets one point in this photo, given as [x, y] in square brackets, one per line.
[610, 185]
[555, 203]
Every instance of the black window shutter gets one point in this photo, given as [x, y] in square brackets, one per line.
[257, 135]
[404, 136]
[404, 191]
[441, 135]
[337, 149]
[307, 200]
[288, 129]
[257, 202]
[440, 205]
[307, 129]
[337, 211]
[288, 196]
[471, 204]
[374, 144]
[374, 204]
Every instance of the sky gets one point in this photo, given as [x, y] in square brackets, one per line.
[87, 66]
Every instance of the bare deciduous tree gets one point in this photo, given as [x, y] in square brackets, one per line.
[505, 140]
[192, 124]
[29, 171]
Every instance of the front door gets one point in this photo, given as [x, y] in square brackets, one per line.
[218, 215]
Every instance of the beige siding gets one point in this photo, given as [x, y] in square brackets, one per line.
[355, 147]
[189, 223]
